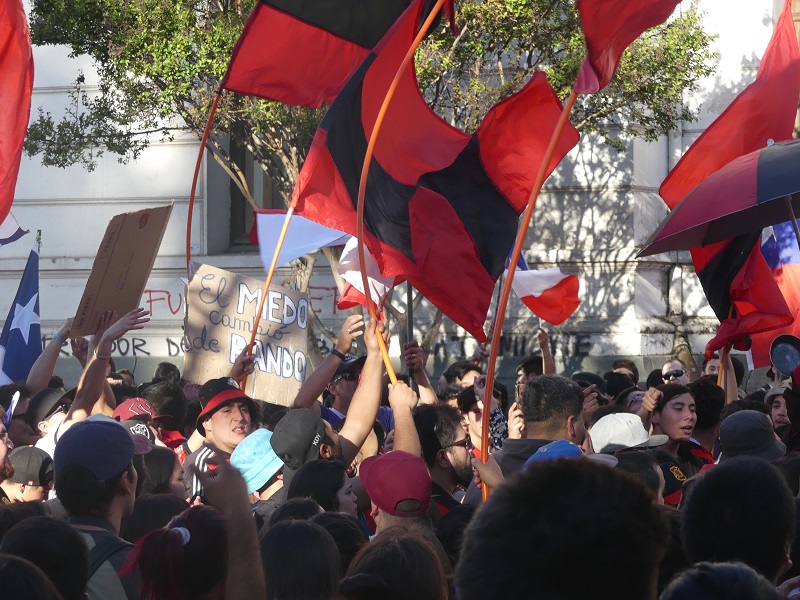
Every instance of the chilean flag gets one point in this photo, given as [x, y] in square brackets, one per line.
[350, 270]
[549, 293]
[779, 247]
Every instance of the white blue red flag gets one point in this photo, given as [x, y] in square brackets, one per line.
[21, 339]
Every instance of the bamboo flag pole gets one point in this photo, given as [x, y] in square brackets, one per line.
[512, 262]
[362, 185]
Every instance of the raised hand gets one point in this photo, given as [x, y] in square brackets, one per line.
[352, 328]
[244, 365]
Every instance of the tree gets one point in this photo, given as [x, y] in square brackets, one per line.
[160, 61]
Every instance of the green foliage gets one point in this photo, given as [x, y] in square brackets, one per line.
[159, 64]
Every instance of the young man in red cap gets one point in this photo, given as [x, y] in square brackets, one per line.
[224, 420]
[399, 487]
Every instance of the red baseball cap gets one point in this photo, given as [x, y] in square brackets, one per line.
[394, 477]
[136, 407]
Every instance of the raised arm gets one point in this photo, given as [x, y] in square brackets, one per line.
[91, 387]
[317, 381]
[367, 397]
[42, 370]
[225, 490]
[548, 364]
[403, 400]
[415, 360]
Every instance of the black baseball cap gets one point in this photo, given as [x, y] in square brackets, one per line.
[44, 404]
[351, 365]
[32, 466]
[297, 438]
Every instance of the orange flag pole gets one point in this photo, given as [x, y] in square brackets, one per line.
[199, 162]
[362, 185]
[267, 282]
[512, 267]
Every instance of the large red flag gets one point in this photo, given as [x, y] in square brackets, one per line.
[16, 73]
[302, 52]
[609, 27]
[442, 206]
[735, 270]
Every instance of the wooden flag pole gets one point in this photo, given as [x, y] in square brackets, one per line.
[362, 184]
[196, 176]
[512, 264]
[267, 282]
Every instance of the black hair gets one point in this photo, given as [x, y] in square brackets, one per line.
[450, 530]
[714, 356]
[669, 391]
[603, 411]
[549, 398]
[11, 514]
[168, 399]
[548, 504]
[738, 405]
[741, 510]
[160, 463]
[738, 370]
[532, 365]
[756, 395]
[720, 581]
[641, 465]
[300, 560]
[616, 382]
[166, 371]
[448, 392]
[346, 531]
[150, 512]
[56, 548]
[321, 481]
[459, 369]
[268, 409]
[709, 400]
[626, 363]
[295, 509]
[55, 382]
[193, 410]
[674, 560]
[77, 489]
[789, 467]
[20, 578]
[123, 392]
[654, 379]
[437, 426]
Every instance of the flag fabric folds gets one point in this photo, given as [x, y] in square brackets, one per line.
[302, 52]
[350, 270]
[10, 231]
[609, 27]
[442, 206]
[16, 71]
[21, 338]
[735, 271]
[302, 237]
[549, 293]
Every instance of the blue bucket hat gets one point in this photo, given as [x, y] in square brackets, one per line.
[256, 460]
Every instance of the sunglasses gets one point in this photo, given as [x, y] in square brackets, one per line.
[349, 376]
[670, 374]
[465, 443]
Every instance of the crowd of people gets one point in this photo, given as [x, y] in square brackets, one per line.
[677, 486]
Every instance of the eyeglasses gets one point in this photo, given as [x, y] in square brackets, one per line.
[349, 376]
[670, 374]
[465, 443]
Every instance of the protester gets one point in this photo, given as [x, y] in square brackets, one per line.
[20, 578]
[224, 421]
[446, 449]
[399, 564]
[56, 548]
[776, 402]
[675, 416]
[261, 468]
[164, 473]
[709, 402]
[325, 482]
[551, 514]
[749, 433]
[741, 510]
[346, 531]
[399, 486]
[675, 371]
[300, 560]
[622, 431]
[32, 476]
[150, 512]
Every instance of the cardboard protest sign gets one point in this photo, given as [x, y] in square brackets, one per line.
[219, 322]
[121, 267]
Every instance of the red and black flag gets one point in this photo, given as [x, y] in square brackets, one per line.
[609, 27]
[442, 206]
[302, 52]
[734, 272]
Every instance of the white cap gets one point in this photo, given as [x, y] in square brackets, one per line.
[619, 431]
